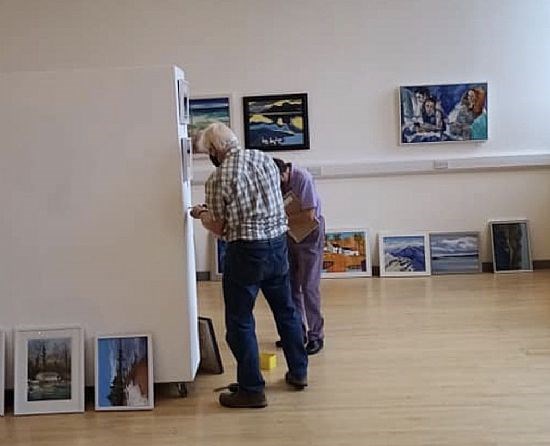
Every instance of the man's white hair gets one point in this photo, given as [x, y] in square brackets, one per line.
[217, 136]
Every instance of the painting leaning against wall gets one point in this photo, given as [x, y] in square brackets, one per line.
[443, 113]
[346, 254]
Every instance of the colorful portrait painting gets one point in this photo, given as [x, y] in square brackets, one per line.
[276, 122]
[443, 113]
[346, 254]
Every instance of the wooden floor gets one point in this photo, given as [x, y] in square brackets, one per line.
[449, 360]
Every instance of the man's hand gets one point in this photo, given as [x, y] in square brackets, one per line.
[197, 210]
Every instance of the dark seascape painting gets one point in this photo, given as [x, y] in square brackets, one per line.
[123, 372]
[205, 111]
[277, 122]
[455, 252]
[511, 250]
[443, 113]
[49, 369]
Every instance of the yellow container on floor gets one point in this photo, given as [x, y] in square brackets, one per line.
[268, 361]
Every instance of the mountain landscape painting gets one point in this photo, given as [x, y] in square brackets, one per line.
[276, 122]
[404, 255]
[455, 252]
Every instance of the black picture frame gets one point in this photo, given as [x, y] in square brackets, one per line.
[276, 122]
[211, 360]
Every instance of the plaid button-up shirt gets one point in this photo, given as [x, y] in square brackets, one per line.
[245, 192]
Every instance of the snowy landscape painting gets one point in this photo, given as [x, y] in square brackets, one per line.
[124, 378]
[276, 122]
[404, 255]
[455, 252]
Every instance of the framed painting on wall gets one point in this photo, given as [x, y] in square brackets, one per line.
[203, 111]
[443, 113]
[49, 370]
[186, 159]
[124, 372]
[454, 252]
[2, 370]
[346, 253]
[511, 246]
[276, 122]
[404, 254]
[218, 258]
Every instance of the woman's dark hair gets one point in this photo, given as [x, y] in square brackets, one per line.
[281, 165]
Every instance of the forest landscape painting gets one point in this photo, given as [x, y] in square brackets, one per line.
[276, 122]
[49, 369]
[124, 373]
[404, 255]
[455, 252]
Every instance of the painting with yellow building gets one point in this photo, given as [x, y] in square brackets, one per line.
[346, 253]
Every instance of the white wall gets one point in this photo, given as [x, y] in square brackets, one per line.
[350, 56]
[92, 229]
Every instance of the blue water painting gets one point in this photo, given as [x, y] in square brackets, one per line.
[404, 254]
[453, 253]
[204, 112]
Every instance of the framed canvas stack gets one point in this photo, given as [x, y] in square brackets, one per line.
[346, 254]
[511, 246]
[404, 254]
[124, 372]
[454, 252]
[49, 370]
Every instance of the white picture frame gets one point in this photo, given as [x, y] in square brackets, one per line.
[511, 245]
[404, 254]
[348, 258]
[124, 378]
[48, 370]
[2, 370]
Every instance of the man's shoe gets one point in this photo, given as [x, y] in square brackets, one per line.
[314, 346]
[298, 384]
[243, 399]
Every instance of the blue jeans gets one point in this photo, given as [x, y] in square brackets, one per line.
[251, 266]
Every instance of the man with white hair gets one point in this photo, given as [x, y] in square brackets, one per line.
[244, 206]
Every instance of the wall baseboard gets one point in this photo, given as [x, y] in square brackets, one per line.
[486, 267]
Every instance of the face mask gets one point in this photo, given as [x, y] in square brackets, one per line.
[215, 161]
